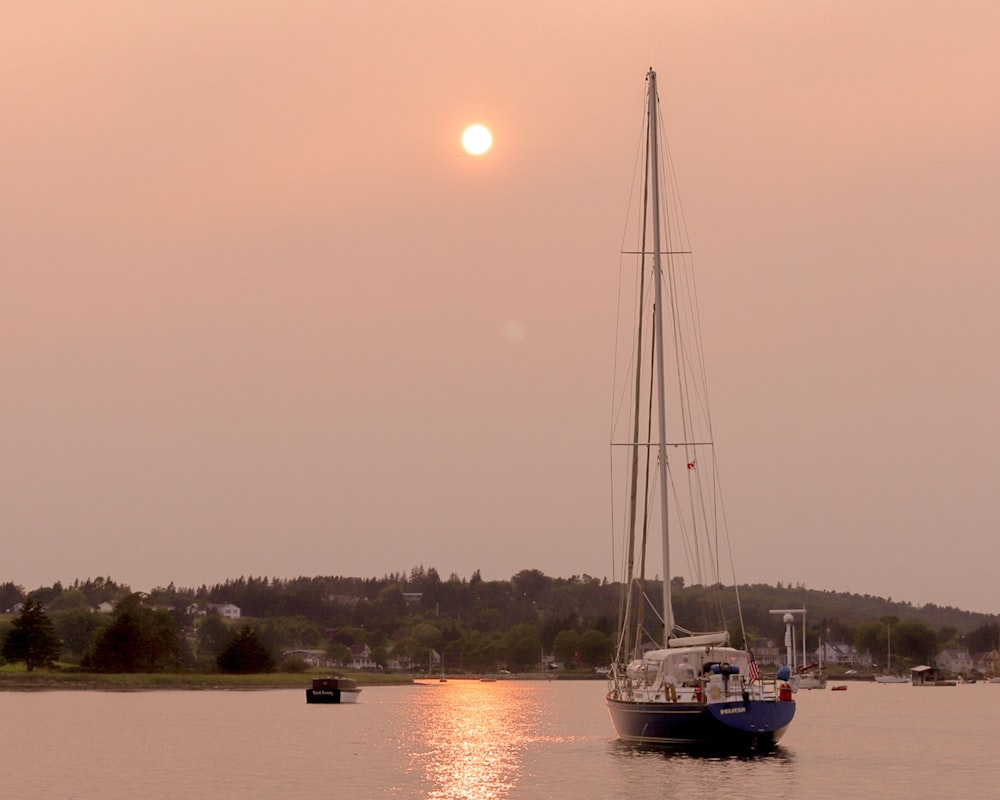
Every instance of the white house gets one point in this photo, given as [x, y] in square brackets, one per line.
[841, 653]
[989, 663]
[766, 652]
[315, 658]
[958, 662]
[361, 657]
[227, 610]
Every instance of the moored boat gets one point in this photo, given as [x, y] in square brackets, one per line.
[807, 676]
[812, 679]
[669, 686]
[333, 690]
[889, 677]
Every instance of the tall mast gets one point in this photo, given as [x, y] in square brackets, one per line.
[668, 611]
[888, 647]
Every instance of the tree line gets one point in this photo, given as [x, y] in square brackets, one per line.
[474, 624]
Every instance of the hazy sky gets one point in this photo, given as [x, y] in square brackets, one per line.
[259, 313]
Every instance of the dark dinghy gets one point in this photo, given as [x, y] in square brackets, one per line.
[333, 690]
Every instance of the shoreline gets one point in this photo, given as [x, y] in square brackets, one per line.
[149, 682]
[54, 680]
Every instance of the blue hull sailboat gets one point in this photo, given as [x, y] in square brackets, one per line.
[670, 686]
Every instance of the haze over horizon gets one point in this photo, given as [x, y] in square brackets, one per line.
[261, 315]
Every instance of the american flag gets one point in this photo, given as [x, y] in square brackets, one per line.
[753, 671]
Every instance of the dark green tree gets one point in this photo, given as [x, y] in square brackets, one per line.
[914, 640]
[75, 628]
[10, 596]
[479, 652]
[212, 635]
[46, 594]
[427, 635]
[70, 599]
[566, 647]
[871, 636]
[379, 655]
[245, 654]
[489, 620]
[530, 583]
[595, 648]
[119, 647]
[139, 640]
[984, 638]
[947, 636]
[338, 653]
[522, 647]
[31, 638]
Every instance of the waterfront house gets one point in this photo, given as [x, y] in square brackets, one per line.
[226, 610]
[842, 654]
[954, 660]
[361, 657]
[766, 652]
[314, 658]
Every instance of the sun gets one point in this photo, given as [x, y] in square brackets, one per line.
[477, 139]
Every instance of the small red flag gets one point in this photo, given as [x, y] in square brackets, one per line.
[690, 465]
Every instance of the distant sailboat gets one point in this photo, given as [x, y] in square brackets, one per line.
[889, 677]
[808, 676]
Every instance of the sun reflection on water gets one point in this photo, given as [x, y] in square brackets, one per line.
[469, 737]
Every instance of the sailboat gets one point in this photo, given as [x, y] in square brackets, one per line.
[670, 686]
[806, 676]
[889, 677]
[812, 676]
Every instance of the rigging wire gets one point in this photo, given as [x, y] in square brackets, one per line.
[702, 525]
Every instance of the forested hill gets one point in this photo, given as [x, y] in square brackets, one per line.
[476, 625]
[529, 595]
[853, 610]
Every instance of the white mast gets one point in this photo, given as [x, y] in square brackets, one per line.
[789, 641]
[888, 648]
[668, 611]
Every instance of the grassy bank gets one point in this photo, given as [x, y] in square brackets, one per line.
[16, 678]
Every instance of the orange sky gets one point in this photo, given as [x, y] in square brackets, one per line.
[257, 302]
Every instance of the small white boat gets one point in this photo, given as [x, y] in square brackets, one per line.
[812, 679]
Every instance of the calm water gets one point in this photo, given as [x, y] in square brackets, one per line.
[481, 741]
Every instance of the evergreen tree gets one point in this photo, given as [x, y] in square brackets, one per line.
[595, 648]
[139, 640]
[245, 654]
[212, 635]
[32, 638]
[10, 595]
